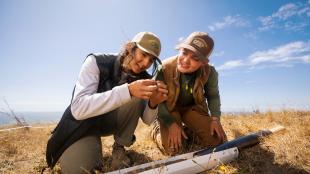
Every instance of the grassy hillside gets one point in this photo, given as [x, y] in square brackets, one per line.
[23, 151]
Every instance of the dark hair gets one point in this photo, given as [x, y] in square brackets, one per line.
[126, 55]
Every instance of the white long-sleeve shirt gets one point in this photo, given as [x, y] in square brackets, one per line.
[87, 103]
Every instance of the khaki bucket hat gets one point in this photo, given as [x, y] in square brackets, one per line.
[200, 43]
[148, 42]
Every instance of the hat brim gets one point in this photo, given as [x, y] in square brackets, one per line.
[147, 51]
[153, 54]
[189, 47]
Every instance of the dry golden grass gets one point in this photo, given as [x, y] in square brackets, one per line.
[23, 151]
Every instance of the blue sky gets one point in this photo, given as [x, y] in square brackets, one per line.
[262, 48]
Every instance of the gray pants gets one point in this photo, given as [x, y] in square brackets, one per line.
[85, 155]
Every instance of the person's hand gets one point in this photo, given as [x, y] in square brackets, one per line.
[160, 95]
[142, 89]
[175, 137]
[217, 128]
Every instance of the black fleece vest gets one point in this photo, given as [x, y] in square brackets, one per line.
[69, 130]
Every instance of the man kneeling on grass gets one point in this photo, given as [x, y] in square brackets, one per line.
[193, 98]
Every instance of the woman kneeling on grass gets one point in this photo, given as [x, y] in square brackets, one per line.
[111, 93]
[193, 100]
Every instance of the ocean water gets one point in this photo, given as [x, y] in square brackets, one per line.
[32, 117]
[54, 117]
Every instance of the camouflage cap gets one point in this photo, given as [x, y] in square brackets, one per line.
[200, 43]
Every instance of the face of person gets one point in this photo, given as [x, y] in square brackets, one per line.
[141, 61]
[188, 62]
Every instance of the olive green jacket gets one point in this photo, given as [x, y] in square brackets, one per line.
[205, 90]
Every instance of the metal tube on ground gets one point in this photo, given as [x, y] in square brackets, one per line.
[195, 161]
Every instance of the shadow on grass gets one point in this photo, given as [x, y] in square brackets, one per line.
[136, 158]
[258, 159]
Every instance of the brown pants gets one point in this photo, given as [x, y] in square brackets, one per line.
[198, 121]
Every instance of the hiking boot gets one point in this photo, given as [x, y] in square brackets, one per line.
[119, 158]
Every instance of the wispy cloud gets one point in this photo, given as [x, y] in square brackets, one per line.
[281, 18]
[180, 39]
[286, 11]
[305, 58]
[284, 53]
[251, 35]
[218, 54]
[236, 21]
[282, 56]
[290, 26]
[231, 65]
